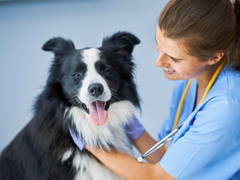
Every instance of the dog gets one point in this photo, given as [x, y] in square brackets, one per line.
[90, 91]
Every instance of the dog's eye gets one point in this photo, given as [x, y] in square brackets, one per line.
[107, 70]
[76, 75]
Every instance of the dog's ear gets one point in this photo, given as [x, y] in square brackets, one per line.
[59, 46]
[121, 43]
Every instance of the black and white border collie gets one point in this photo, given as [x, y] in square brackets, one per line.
[90, 91]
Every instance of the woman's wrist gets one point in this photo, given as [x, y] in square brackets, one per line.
[144, 142]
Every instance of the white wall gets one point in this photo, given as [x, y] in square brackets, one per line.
[26, 25]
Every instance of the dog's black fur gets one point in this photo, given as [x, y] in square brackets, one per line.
[35, 153]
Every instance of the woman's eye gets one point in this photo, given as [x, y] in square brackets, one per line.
[173, 59]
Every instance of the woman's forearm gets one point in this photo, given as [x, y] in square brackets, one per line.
[144, 142]
[127, 166]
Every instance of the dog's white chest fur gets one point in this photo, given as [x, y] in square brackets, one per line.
[109, 136]
[89, 168]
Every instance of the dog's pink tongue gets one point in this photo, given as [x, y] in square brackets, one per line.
[97, 113]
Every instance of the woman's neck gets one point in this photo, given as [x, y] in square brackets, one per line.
[204, 78]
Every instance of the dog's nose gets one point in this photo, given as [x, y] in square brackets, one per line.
[95, 89]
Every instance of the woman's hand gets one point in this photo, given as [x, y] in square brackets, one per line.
[134, 128]
[128, 167]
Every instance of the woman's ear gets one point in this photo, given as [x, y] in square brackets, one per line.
[216, 58]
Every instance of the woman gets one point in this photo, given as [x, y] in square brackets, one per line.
[195, 38]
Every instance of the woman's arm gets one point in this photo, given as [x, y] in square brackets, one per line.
[144, 142]
[128, 167]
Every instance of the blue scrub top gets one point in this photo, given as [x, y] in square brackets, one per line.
[207, 147]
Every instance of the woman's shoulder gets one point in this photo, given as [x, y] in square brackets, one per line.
[222, 110]
[223, 101]
[227, 85]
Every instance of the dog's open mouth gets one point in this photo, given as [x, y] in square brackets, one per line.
[98, 112]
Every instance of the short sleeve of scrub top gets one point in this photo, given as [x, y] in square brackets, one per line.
[210, 148]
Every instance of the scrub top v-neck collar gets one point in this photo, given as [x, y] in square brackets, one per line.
[189, 103]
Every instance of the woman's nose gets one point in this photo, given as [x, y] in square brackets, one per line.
[160, 60]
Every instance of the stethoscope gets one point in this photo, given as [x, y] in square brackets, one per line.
[168, 138]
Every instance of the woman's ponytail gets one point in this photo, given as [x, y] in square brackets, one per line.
[234, 52]
[237, 13]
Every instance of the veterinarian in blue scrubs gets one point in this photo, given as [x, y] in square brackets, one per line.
[199, 48]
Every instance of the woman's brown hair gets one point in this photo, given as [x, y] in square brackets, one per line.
[205, 27]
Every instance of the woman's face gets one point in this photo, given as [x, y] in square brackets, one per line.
[174, 60]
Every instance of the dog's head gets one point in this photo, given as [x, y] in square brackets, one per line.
[94, 79]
